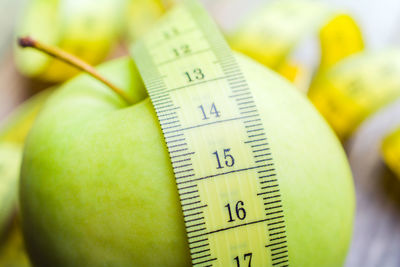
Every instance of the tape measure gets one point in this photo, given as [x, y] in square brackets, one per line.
[87, 29]
[391, 151]
[355, 88]
[224, 170]
[141, 15]
[273, 32]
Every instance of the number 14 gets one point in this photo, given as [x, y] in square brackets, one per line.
[213, 112]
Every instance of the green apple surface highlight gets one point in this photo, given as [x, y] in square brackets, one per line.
[98, 189]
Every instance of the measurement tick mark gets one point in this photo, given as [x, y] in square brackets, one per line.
[231, 227]
[197, 83]
[219, 174]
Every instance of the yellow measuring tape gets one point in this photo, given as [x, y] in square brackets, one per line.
[391, 151]
[221, 157]
[85, 28]
[218, 145]
[272, 34]
[140, 16]
[355, 88]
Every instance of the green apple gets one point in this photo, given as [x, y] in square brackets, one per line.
[15, 127]
[97, 186]
[10, 159]
[85, 28]
[13, 131]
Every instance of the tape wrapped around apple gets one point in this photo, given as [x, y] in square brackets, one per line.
[97, 186]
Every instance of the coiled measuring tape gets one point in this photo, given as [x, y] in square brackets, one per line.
[189, 69]
[273, 32]
[141, 15]
[87, 29]
[391, 151]
[345, 88]
[355, 88]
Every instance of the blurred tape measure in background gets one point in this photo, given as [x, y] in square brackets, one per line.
[391, 151]
[85, 28]
[355, 88]
[88, 29]
[275, 31]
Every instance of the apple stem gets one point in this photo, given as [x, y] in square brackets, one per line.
[73, 61]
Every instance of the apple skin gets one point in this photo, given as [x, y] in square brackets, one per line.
[97, 186]
[13, 131]
[10, 160]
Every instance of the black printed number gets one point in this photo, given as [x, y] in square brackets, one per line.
[246, 258]
[212, 113]
[239, 212]
[181, 50]
[196, 74]
[229, 160]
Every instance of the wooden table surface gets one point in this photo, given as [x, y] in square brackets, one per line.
[376, 240]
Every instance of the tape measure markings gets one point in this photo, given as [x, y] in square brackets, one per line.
[356, 88]
[187, 141]
[277, 35]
